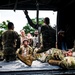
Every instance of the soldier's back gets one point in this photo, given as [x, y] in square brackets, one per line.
[9, 37]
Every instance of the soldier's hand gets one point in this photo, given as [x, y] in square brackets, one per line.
[26, 12]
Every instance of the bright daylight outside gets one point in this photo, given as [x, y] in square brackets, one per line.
[19, 19]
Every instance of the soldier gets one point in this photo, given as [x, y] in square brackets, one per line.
[35, 38]
[48, 33]
[10, 42]
[25, 48]
[23, 36]
[25, 53]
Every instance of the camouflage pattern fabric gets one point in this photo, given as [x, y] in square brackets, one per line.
[57, 57]
[54, 62]
[51, 54]
[36, 55]
[28, 49]
[27, 57]
[9, 42]
[27, 60]
[55, 54]
[9, 51]
[42, 57]
[9, 38]
[68, 62]
[39, 56]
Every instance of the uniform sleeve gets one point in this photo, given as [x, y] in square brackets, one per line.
[19, 51]
[31, 50]
[18, 42]
[35, 26]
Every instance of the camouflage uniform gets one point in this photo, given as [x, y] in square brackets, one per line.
[25, 54]
[28, 49]
[55, 54]
[48, 34]
[56, 57]
[10, 39]
[51, 54]
[68, 62]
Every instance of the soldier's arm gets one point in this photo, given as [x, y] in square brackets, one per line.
[31, 51]
[19, 51]
[18, 42]
[35, 26]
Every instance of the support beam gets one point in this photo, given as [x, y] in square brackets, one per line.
[15, 6]
[37, 5]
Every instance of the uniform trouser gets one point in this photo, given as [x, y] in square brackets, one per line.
[10, 54]
[10, 57]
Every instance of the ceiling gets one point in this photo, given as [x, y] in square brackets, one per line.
[32, 4]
